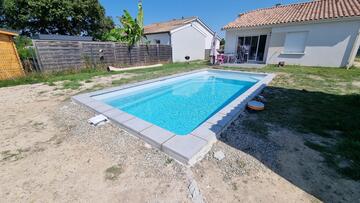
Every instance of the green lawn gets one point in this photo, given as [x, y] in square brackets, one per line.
[73, 78]
[321, 101]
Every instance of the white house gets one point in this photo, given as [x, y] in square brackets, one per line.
[315, 33]
[187, 36]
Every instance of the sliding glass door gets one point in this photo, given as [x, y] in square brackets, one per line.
[251, 48]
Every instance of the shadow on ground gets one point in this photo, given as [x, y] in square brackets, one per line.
[312, 139]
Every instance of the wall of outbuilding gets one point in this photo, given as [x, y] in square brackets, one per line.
[188, 42]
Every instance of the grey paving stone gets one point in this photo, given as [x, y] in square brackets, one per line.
[93, 104]
[208, 132]
[103, 108]
[112, 113]
[83, 99]
[156, 136]
[220, 119]
[123, 117]
[137, 124]
[230, 110]
[184, 148]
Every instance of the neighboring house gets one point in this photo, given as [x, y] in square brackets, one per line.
[316, 33]
[187, 36]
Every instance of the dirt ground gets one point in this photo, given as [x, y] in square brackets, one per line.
[49, 153]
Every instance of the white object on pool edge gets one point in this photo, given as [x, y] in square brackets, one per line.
[98, 120]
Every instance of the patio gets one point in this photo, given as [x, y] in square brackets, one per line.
[243, 65]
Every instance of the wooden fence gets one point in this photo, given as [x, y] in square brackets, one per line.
[64, 55]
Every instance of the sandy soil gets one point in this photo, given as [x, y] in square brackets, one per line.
[50, 154]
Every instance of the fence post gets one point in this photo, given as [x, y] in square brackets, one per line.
[114, 51]
[158, 52]
[92, 57]
[38, 57]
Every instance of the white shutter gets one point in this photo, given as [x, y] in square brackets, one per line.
[295, 42]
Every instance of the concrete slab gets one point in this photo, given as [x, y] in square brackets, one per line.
[156, 136]
[137, 124]
[93, 104]
[103, 108]
[208, 132]
[220, 119]
[83, 98]
[230, 110]
[112, 113]
[244, 65]
[184, 148]
[123, 118]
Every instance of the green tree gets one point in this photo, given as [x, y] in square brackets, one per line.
[222, 45]
[222, 42]
[2, 15]
[131, 30]
[24, 47]
[67, 17]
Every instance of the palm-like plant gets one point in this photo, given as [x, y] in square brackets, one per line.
[132, 30]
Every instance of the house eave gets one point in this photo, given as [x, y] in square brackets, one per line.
[353, 18]
[153, 33]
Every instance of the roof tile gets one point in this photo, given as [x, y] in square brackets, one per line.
[167, 26]
[301, 12]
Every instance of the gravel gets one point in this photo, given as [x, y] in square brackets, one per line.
[238, 146]
[123, 147]
[238, 137]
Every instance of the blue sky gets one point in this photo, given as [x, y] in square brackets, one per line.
[214, 13]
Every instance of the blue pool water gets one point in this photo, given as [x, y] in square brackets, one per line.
[183, 105]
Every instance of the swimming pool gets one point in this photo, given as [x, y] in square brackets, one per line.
[181, 114]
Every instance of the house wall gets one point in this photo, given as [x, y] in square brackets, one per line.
[208, 35]
[328, 44]
[188, 41]
[231, 38]
[163, 37]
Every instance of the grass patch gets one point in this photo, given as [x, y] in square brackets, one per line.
[76, 76]
[322, 101]
[256, 127]
[168, 161]
[51, 78]
[72, 85]
[113, 172]
[151, 73]
[13, 156]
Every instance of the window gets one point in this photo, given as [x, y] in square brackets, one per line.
[295, 42]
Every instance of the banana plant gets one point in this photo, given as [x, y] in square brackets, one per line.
[131, 30]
